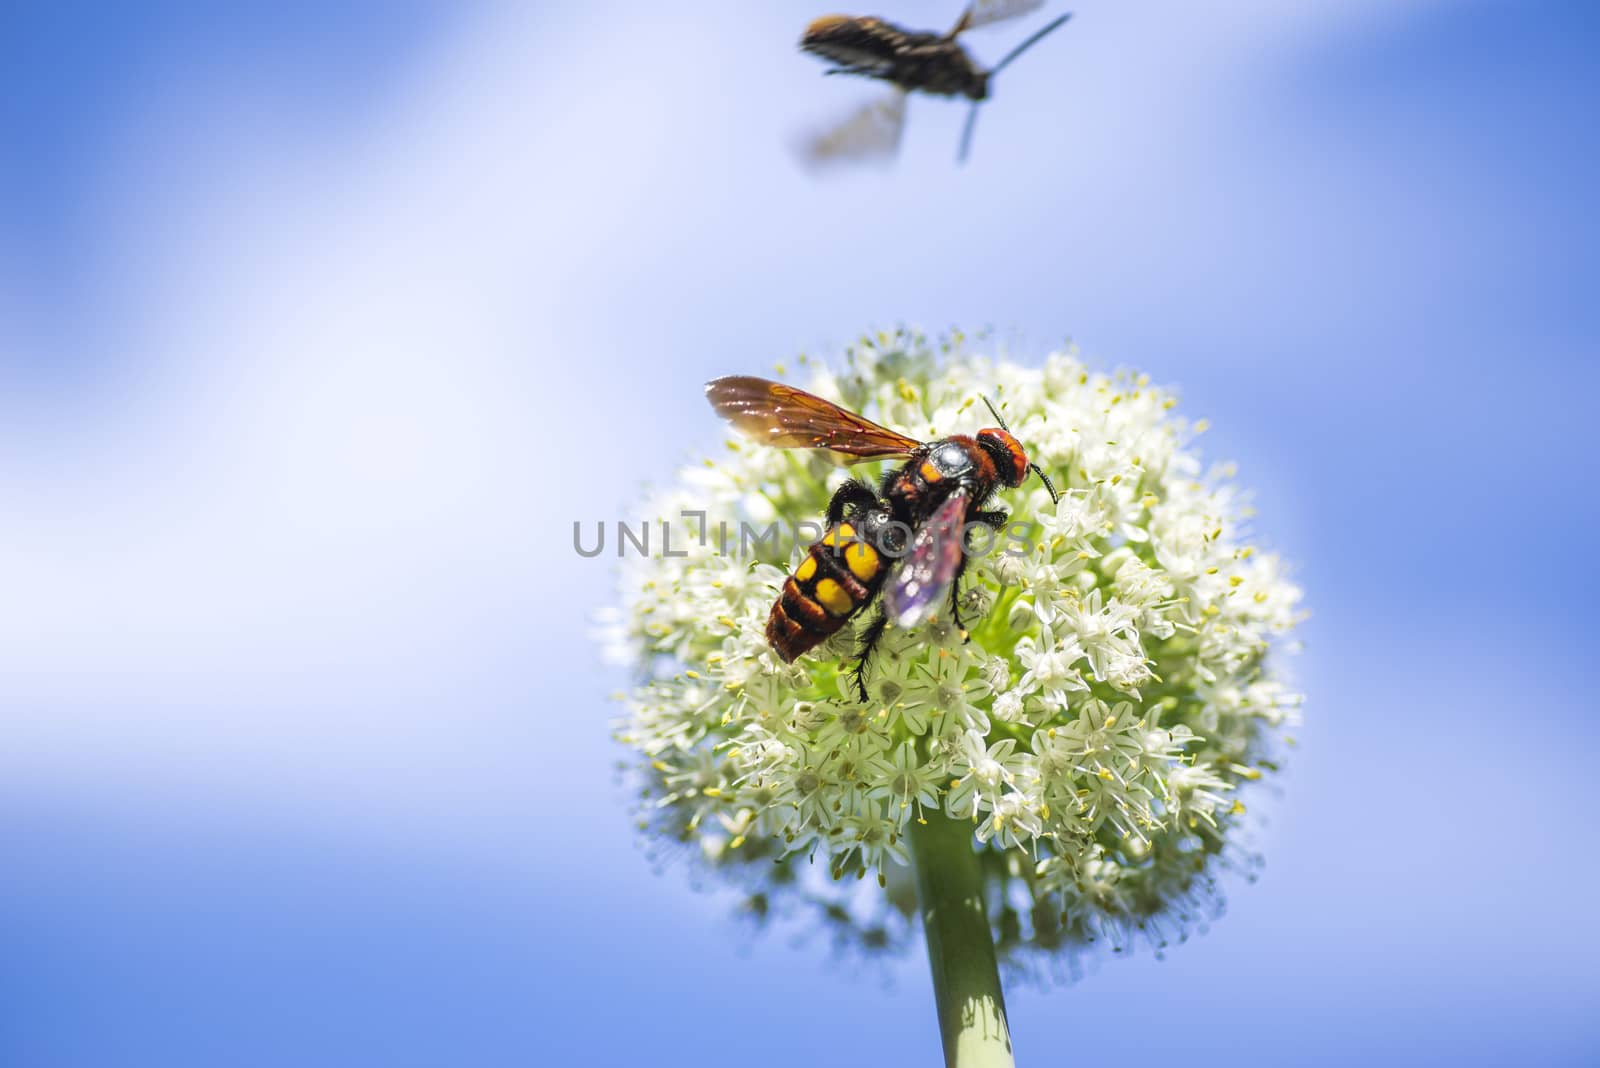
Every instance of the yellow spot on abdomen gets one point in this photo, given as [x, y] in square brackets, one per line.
[841, 533]
[831, 595]
[862, 560]
[807, 568]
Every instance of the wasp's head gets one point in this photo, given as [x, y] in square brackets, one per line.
[1010, 462]
[1006, 452]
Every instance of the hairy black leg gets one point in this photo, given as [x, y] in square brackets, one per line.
[955, 594]
[994, 519]
[870, 72]
[853, 495]
[864, 651]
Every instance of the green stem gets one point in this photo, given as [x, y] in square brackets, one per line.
[966, 980]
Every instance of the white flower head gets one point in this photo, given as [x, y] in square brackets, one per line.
[1112, 692]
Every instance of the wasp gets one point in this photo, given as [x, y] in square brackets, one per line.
[904, 539]
[913, 62]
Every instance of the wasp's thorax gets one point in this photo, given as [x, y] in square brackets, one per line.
[944, 69]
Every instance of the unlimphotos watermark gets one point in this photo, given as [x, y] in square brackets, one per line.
[746, 540]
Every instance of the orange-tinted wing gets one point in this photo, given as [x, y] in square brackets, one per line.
[789, 418]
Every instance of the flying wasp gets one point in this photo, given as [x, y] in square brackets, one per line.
[918, 515]
[912, 62]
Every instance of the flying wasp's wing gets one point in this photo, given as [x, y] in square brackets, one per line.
[983, 12]
[922, 581]
[871, 133]
[789, 418]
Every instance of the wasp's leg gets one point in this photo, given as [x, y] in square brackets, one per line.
[995, 519]
[864, 651]
[854, 495]
[870, 71]
[955, 597]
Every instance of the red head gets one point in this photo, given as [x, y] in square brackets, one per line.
[1006, 451]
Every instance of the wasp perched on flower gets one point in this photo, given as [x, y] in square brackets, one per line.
[1117, 703]
[911, 61]
[919, 514]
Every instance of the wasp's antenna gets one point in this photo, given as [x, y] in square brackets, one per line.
[966, 134]
[997, 416]
[1055, 498]
[972, 115]
[1029, 43]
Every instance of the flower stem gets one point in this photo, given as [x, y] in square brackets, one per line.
[966, 980]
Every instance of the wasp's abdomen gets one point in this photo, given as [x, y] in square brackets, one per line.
[837, 578]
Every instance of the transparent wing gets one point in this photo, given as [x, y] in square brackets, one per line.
[922, 581]
[870, 133]
[789, 418]
[984, 12]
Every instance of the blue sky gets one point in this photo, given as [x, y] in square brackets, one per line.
[318, 327]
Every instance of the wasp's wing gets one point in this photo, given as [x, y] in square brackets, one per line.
[789, 418]
[923, 579]
[870, 133]
[983, 12]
